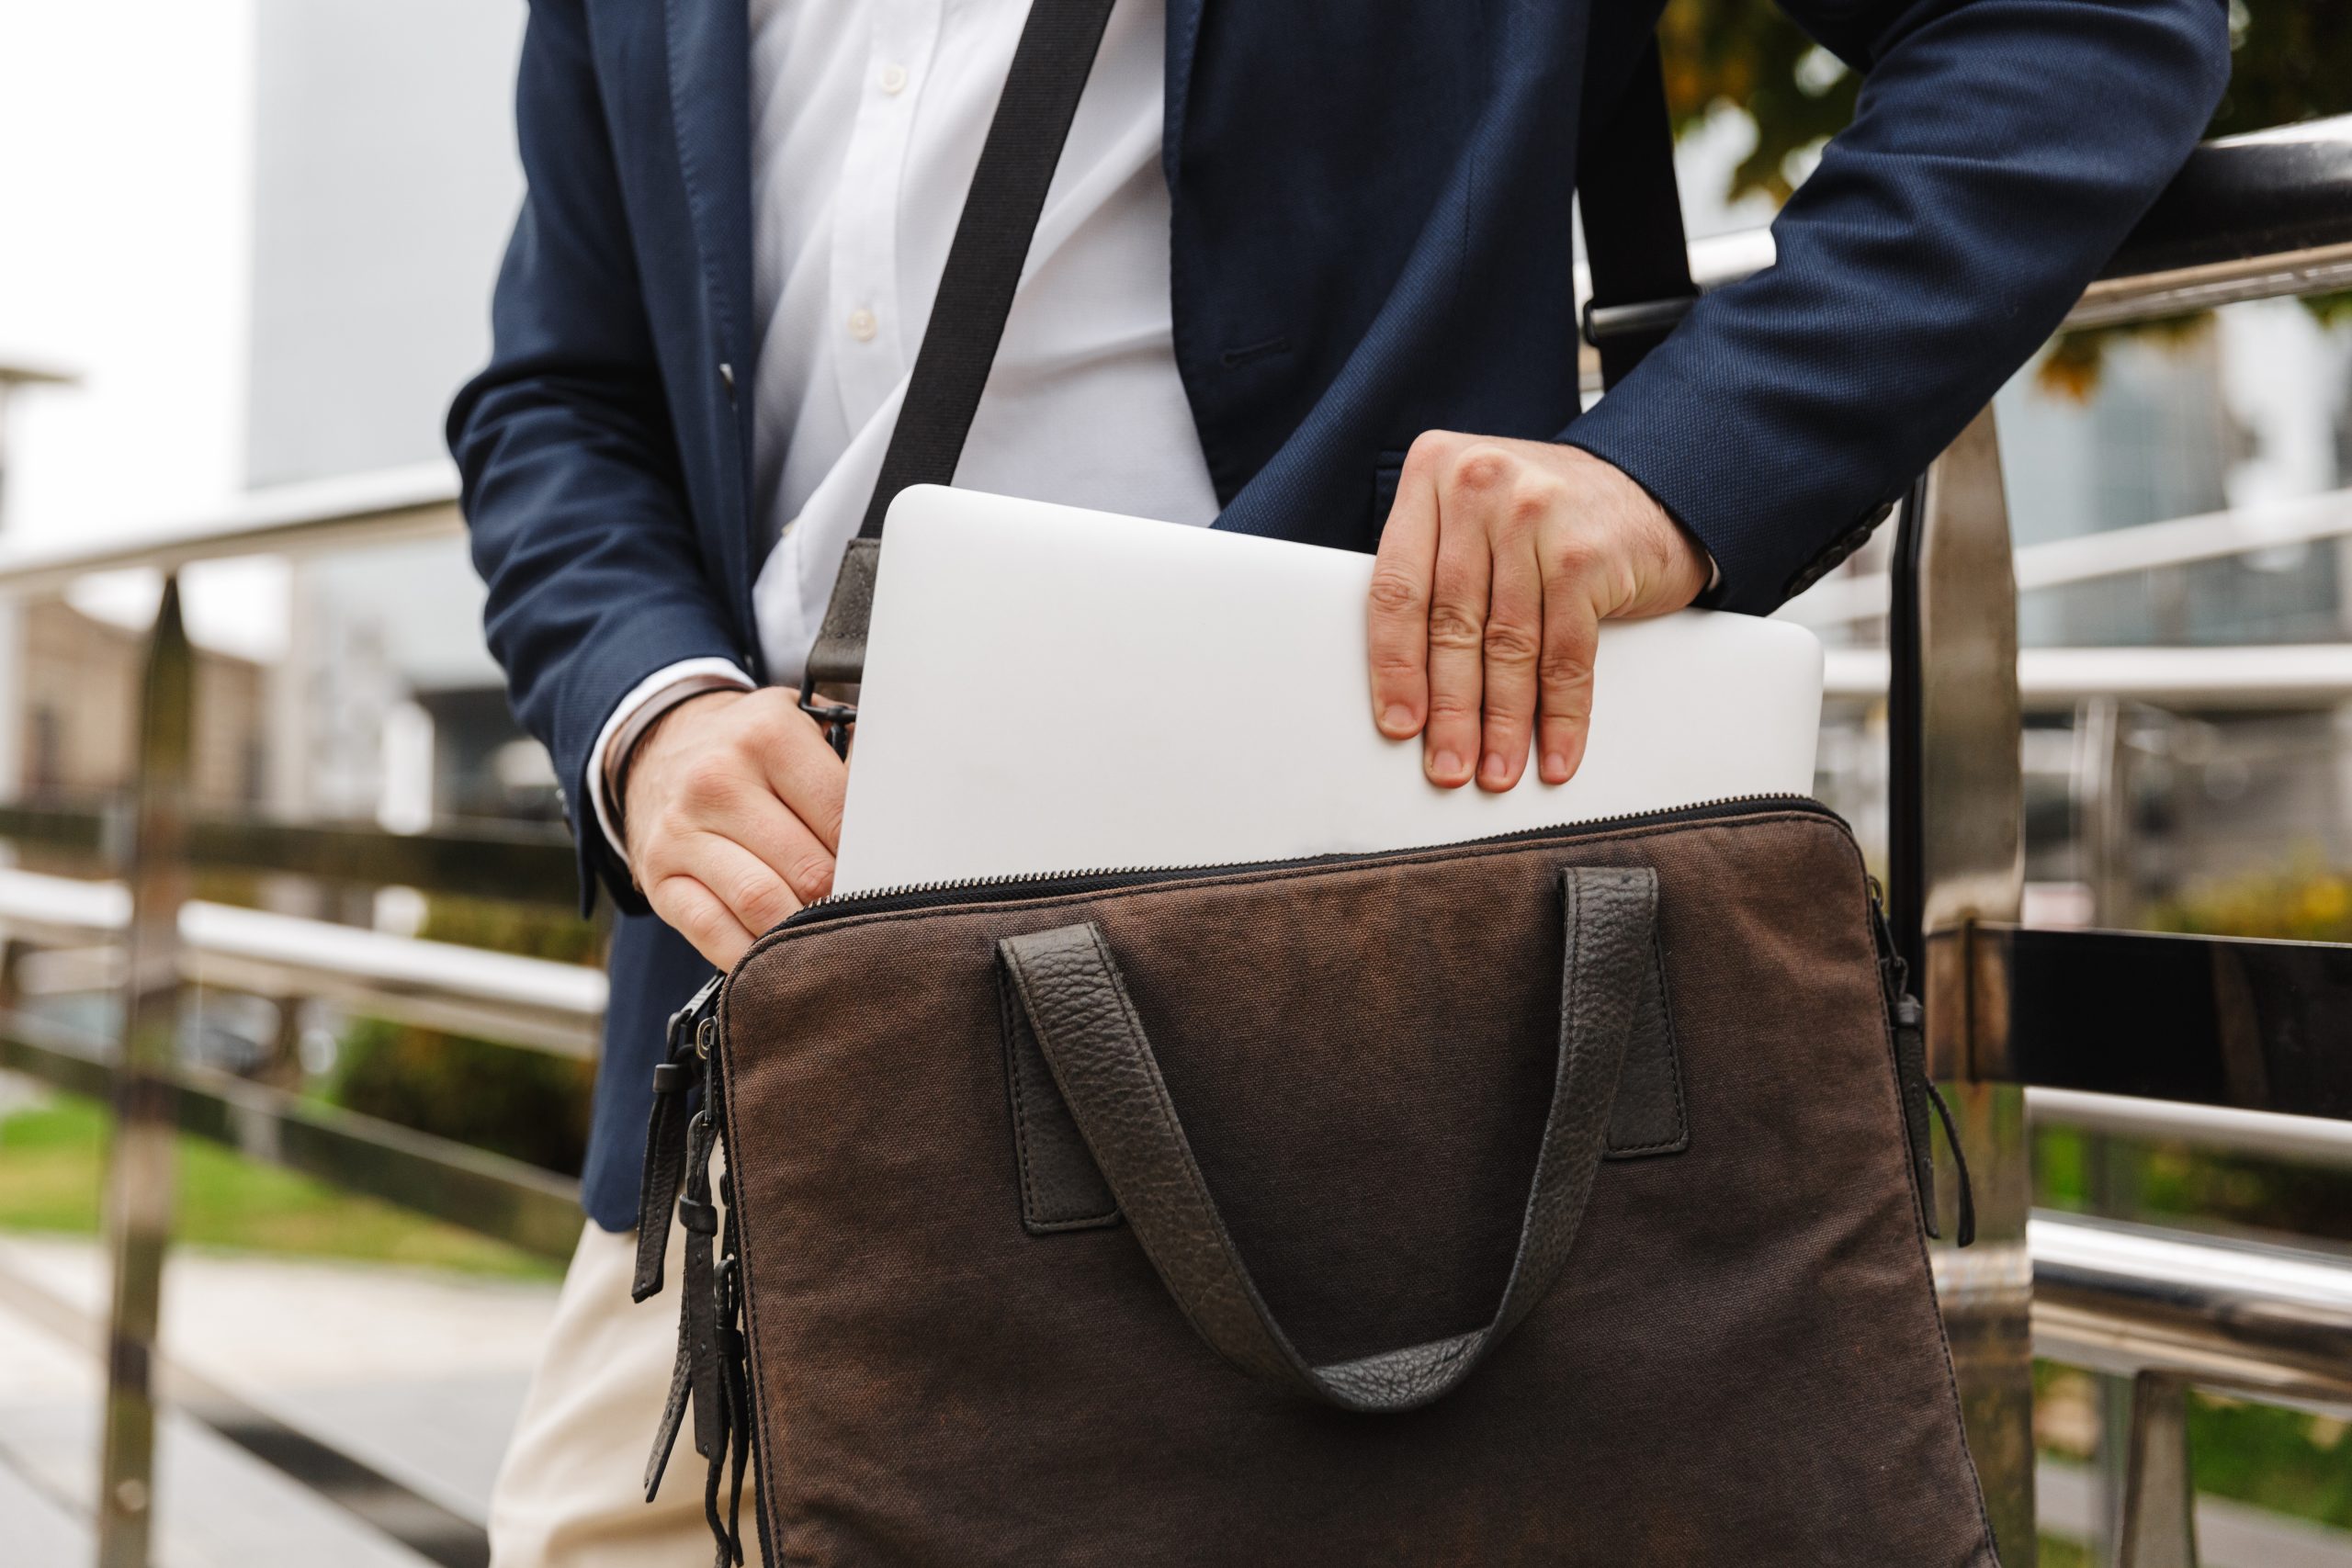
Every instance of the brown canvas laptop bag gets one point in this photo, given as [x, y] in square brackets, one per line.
[1550, 1199]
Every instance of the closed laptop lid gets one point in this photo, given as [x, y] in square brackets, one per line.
[1051, 689]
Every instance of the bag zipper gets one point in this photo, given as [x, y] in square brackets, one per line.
[1049, 884]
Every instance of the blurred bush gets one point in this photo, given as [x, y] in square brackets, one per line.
[526, 1104]
[535, 930]
[511, 1101]
[2305, 901]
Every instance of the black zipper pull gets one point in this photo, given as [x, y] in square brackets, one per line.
[1922, 1105]
[675, 1078]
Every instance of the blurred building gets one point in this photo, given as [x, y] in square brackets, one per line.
[384, 184]
[82, 676]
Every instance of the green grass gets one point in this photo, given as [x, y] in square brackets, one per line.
[52, 1170]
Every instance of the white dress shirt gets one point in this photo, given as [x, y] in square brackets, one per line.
[868, 117]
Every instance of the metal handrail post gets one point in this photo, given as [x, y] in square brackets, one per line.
[2157, 1527]
[1956, 856]
[139, 1171]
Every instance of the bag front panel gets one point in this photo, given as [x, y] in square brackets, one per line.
[1741, 1363]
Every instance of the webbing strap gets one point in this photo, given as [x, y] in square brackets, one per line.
[1633, 216]
[1050, 65]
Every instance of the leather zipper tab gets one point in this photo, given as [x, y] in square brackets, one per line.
[1922, 1104]
[675, 1080]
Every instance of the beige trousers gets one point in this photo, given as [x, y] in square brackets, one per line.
[572, 1491]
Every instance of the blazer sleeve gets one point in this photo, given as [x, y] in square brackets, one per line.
[572, 482]
[2000, 151]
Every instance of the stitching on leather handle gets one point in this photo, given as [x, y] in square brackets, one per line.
[1680, 1142]
[1006, 1026]
[1033, 1218]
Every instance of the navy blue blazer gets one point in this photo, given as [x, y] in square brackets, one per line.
[1371, 239]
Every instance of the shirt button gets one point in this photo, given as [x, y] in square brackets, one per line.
[862, 324]
[894, 79]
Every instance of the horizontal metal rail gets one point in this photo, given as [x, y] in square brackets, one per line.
[515, 1000]
[527, 862]
[2273, 1136]
[363, 510]
[2115, 552]
[2287, 677]
[2271, 1322]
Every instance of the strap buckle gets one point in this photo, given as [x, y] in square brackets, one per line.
[834, 718]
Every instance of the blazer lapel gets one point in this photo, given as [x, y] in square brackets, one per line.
[1183, 36]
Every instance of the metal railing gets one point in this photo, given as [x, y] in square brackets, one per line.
[2197, 1022]
[2253, 218]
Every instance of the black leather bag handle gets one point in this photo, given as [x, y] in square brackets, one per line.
[1092, 1040]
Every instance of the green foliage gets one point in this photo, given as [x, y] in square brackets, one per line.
[2293, 62]
[2287, 1461]
[52, 1170]
[523, 1103]
[534, 931]
[1748, 53]
[526, 1104]
[2306, 901]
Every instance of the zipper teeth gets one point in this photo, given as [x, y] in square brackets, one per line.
[1026, 878]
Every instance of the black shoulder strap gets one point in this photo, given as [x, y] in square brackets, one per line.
[1050, 65]
[1633, 225]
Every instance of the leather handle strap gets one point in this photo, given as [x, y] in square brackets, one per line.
[1094, 1043]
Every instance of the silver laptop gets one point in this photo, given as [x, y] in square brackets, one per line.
[1050, 689]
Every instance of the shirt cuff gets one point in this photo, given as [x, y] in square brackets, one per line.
[644, 692]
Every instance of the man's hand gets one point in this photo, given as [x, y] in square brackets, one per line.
[1500, 560]
[733, 809]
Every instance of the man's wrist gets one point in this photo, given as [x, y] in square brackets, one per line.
[631, 720]
[631, 738]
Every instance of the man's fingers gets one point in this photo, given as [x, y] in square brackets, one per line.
[1514, 637]
[696, 913]
[1399, 607]
[784, 844]
[1564, 672]
[753, 893]
[1468, 493]
[787, 750]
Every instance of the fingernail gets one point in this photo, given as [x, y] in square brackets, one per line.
[1496, 769]
[1556, 766]
[1444, 765]
[1397, 719]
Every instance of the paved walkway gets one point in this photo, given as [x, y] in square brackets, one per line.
[416, 1374]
